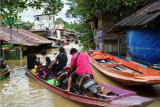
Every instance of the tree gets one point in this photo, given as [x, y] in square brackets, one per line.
[82, 10]
[59, 21]
[11, 8]
[85, 9]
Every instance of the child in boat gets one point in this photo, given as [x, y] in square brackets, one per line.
[41, 72]
[34, 70]
[62, 61]
[48, 63]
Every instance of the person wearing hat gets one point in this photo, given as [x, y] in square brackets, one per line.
[31, 60]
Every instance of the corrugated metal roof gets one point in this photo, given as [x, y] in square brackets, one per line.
[59, 27]
[142, 17]
[29, 39]
[98, 14]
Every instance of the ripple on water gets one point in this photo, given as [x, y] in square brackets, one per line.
[20, 90]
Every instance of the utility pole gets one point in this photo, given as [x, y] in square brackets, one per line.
[10, 26]
[10, 21]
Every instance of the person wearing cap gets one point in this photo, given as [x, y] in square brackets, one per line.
[31, 60]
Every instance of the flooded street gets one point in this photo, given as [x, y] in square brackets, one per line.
[20, 90]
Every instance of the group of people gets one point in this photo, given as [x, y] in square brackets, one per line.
[79, 64]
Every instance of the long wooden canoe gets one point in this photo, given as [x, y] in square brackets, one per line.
[124, 72]
[125, 98]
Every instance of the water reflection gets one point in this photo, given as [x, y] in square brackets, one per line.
[21, 90]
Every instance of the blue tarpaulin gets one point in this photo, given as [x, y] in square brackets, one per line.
[144, 45]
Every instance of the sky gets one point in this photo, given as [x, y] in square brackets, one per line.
[28, 15]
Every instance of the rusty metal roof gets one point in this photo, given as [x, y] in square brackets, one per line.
[143, 17]
[98, 14]
[59, 27]
[29, 39]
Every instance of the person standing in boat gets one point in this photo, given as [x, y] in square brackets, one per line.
[62, 61]
[82, 64]
[32, 60]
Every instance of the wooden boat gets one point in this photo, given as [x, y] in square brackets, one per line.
[55, 46]
[65, 43]
[111, 101]
[4, 73]
[124, 72]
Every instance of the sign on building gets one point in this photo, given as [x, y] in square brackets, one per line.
[10, 20]
[99, 37]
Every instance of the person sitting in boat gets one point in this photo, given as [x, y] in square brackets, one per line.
[41, 72]
[34, 70]
[48, 63]
[43, 52]
[53, 43]
[62, 61]
[2, 66]
[82, 64]
[32, 60]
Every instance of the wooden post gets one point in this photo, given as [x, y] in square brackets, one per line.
[10, 26]
[118, 44]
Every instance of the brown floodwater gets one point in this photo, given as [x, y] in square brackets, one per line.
[20, 90]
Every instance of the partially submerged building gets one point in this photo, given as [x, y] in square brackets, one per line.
[22, 37]
[142, 30]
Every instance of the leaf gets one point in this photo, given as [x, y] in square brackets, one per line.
[134, 2]
[130, 3]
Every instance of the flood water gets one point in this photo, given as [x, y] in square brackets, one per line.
[20, 90]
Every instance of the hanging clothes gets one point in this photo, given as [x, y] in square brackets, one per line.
[95, 31]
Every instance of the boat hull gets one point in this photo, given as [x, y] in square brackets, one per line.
[94, 102]
[55, 46]
[4, 74]
[124, 78]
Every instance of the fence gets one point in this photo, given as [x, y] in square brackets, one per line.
[12, 54]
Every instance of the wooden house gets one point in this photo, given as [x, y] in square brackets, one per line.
[110, 43]
[142, 30]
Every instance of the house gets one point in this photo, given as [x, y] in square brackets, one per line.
[43, 24]
[22, 37]
[101, 23]
[59, 30]
[142, 30]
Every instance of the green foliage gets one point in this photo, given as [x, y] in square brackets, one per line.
[60, 21]
[8, 55]
[85, 9]
[11, 8]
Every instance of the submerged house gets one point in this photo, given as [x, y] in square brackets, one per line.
[142, 34]
[22, 40]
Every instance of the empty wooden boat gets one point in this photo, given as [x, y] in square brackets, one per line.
[122, 71]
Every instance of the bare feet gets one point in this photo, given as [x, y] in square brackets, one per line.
[67, 90]
[101, 89]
